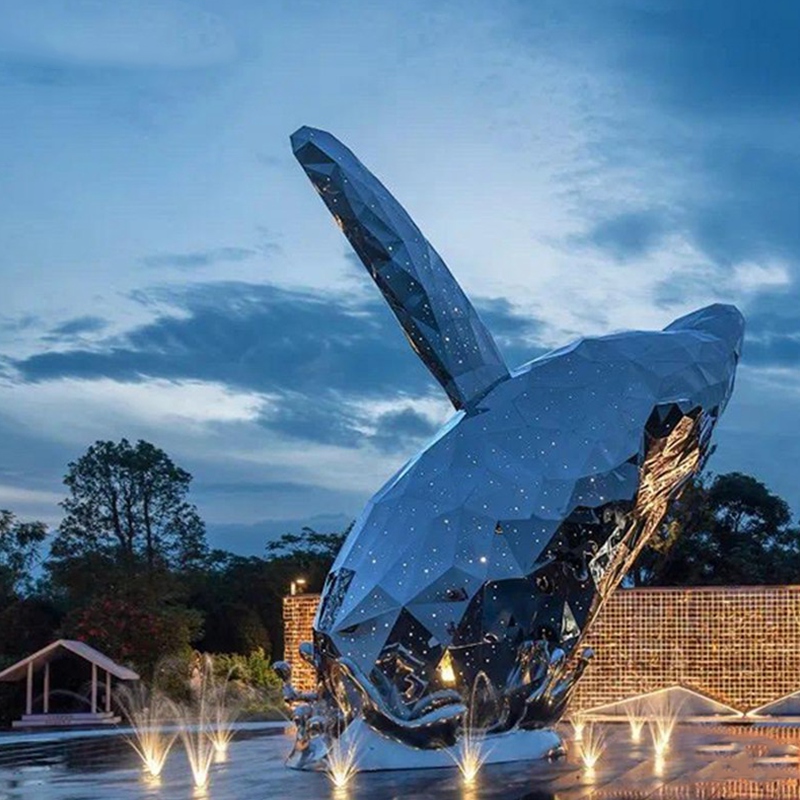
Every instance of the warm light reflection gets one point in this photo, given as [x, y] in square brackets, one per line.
[342, 762]
[665, 714]
[658, 765]
[636, 721]
[470, 754]
[147, 712]
[196, 742]
[593, 744]
[578, 722]
[220, 717]
[446, 671]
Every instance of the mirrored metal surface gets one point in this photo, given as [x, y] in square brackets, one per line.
[493, 549]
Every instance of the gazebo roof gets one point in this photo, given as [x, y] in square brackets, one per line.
[16, 672]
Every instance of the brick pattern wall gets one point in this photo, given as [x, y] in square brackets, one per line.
[298, 621]
[740, 645]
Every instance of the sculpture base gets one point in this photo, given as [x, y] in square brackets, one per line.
[375, 752]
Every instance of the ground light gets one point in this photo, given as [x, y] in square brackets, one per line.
[147, 711]
[592, 746]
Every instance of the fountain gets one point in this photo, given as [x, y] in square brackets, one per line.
[636, 721]
[342, 762]
[578, 722]
[197, 743]
[147, 711]
[471, 751]
[205, 726]
[663, 718]
[592, 746]
[207, 723]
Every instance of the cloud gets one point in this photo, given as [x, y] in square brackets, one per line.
[21, 323]
[124, 34]
[264, 338]
[328, 370]
[395, 429]
[90, 406]
[76, 327]
[628, 235]
[251, 539]
[16, 496]
[710, 95]
[201, 258]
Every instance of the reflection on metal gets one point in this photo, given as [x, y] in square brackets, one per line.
[446, 673]
[290, 694]
[500, 541]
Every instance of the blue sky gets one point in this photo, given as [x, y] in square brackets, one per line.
[167, 272]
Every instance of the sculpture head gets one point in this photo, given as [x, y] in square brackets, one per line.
[491, 550]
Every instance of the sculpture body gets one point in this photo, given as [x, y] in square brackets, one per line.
[486, 557]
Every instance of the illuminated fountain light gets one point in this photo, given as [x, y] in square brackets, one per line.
[592, 746]
[221, 715]
[636, 721]
[196, 741]
[147, 711]
[664, 717]
[470, 754]
[471, 751]
[578, 722]
[341, 761]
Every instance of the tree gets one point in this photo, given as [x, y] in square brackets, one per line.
[729, 530]
[119, 565]
[19, 552]
[232, 583]
[133, 632]
[129, 502]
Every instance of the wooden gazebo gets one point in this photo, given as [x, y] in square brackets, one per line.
[41, 660]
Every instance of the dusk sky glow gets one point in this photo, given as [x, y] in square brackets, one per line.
[168, 273]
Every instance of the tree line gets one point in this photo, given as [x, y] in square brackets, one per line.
[129, 569]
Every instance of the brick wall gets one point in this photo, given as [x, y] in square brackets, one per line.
[298, 621]
[738, 644]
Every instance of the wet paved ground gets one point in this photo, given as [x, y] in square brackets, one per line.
[718, 762]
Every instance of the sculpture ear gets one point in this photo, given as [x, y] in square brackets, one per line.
[438, 319]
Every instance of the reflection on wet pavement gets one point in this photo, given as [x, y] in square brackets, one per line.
[702, 762]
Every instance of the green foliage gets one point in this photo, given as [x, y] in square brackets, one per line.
[129, 502]
[260, 585]
[726, 531]
[258, 686]
[26, 625]
[234, 627]
[19, 553]
[308, 545]
[134, 632]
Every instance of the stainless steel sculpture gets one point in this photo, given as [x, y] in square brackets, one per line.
[492, 550]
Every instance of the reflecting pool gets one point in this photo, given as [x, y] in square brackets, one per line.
[702, 762]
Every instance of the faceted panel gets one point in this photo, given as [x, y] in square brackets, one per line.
[492, 551]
